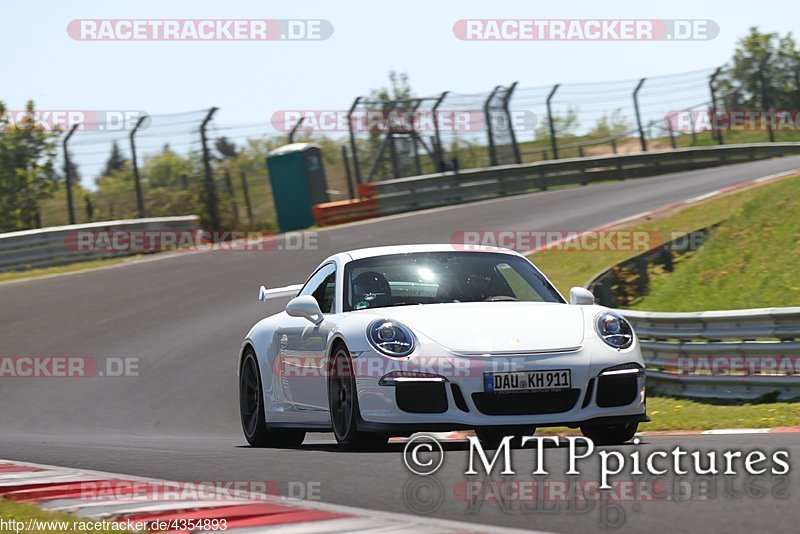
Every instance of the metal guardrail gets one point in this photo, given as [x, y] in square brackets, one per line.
[736, 354]
[47, 247]
[433, 190]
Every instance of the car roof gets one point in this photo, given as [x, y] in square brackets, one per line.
[413, 249]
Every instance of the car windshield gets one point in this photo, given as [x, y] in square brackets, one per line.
[441, 277]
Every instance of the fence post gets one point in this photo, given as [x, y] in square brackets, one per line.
[642, 138]
[797, 85]
[506, 102]
[393, 156]
[764, 98]
[437, 135]
[68, 175]
[671, 135]
[294, 129]
[553, 140]
[136, 180]
[234, 206]
[211, 187]
[711, 82]
[353, 148]
[489, 129]
[246, 193]
[348, 176]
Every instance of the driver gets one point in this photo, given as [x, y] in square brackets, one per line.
[371, 290]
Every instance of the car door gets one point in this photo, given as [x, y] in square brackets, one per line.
[302, 348]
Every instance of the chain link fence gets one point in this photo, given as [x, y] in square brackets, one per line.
[188, 163]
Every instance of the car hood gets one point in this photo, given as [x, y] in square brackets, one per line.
[495, 327]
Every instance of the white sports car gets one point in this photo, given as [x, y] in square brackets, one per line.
[394, 340]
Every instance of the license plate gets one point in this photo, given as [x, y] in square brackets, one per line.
[526, 381]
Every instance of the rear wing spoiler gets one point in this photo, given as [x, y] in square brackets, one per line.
[265, 294]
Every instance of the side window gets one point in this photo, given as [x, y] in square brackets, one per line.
[322, 286]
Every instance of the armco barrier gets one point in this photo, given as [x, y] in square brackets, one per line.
[433, 190]
[46, 247]
[344, 211]
[736, 354]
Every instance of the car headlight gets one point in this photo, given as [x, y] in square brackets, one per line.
[391, 338]
[614, 329]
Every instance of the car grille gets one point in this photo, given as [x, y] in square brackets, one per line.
[528, 403]
[618, 390]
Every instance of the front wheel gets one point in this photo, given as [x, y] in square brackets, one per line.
[254, 422]
[610, 434]
[343, 403]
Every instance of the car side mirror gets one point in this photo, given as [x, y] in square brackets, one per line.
[305, 306]
[580, 296]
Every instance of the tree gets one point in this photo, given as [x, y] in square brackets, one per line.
[611, 126]
[226, 148]
[399, 88]
[392, 101]
[764, 66]
[27, 174]
[115, 162]
[564, 125]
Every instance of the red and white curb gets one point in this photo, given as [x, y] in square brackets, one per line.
[96, 495]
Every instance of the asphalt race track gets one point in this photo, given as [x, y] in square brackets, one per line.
[184, 317]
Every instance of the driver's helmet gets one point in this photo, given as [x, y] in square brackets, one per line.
[371, 290]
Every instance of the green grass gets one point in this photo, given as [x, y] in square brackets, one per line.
[568, 268]
[60, 269]
[751, 261]
[669, 413]
[11, 510]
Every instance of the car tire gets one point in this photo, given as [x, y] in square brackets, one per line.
[251, 409]
[343, 404]
[610, 434]
[491, 438]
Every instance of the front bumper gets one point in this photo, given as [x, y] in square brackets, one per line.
[607, 387]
